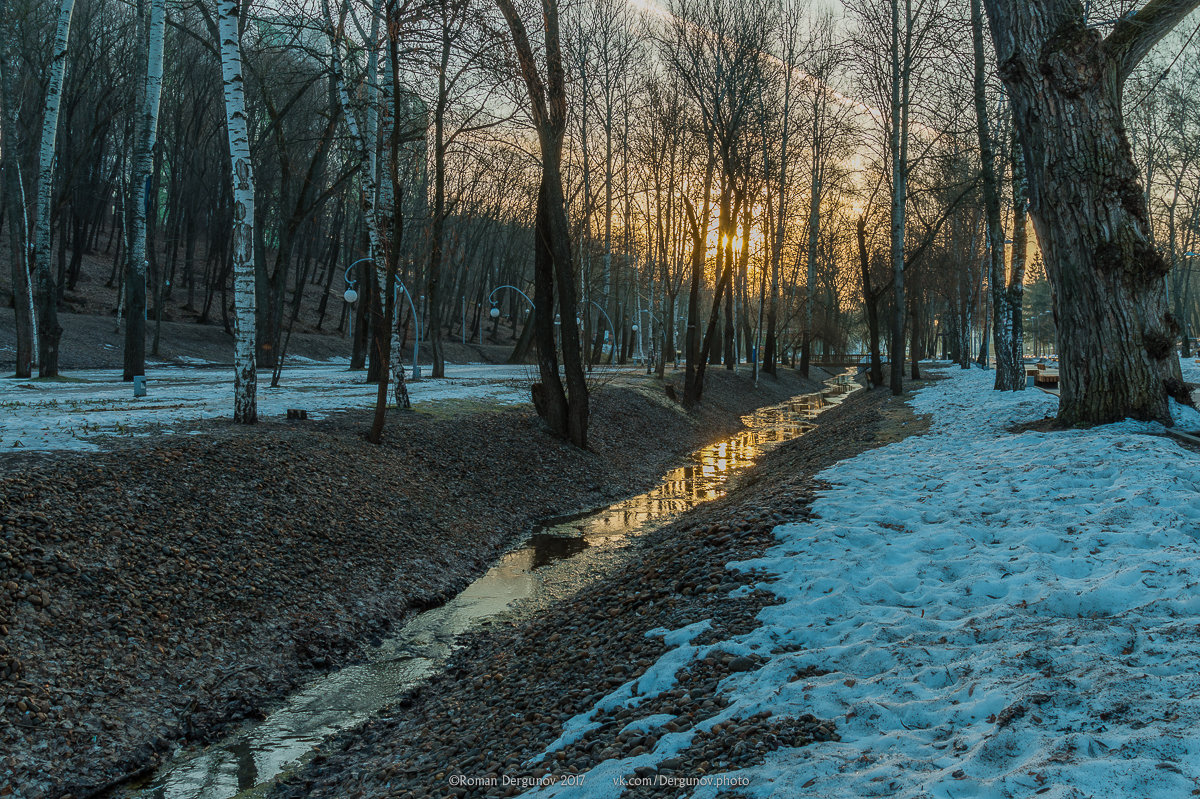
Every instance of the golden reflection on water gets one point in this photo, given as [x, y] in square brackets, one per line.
[707, 477]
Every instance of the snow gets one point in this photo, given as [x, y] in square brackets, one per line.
[89, 405]
[1191, 369]
[1000, 613]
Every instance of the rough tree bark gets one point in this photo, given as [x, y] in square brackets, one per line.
[1116, 334]
[245, 380]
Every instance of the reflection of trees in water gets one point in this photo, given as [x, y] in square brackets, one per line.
[550, 548]
[247, 771]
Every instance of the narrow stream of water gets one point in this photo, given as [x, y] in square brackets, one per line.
[256, 753]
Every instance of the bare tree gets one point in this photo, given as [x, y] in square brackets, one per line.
[49, 330]
[14, 209]
[566, 415]
[245, 379]
[1010, 376]
[143, 162]
[1116, 332]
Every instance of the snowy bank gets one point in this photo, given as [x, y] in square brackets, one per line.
[44, 415]
[1000, 614]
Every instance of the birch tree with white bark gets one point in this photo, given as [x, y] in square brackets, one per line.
[49, 330]
[143, 162]
[245, 379]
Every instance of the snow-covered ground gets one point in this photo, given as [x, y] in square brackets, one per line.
[37, 415]
[1191, 369]
[1001, 615]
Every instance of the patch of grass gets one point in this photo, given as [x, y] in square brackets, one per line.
[452, 408]
[899, 422]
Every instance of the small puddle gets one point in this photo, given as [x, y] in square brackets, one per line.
[574, 546]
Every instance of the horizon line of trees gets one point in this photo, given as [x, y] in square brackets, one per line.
[726, 181]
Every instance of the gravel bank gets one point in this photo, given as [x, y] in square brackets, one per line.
[487, 719]
[160, 593]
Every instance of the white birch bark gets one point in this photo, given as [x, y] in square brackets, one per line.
[143, 163]
[48, 329]
[387, 210]
[364, 140]
[245, 408]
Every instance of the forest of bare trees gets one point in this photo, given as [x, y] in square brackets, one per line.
[693, 184]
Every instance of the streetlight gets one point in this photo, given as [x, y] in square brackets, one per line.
[610, 325]
[495, 312]
[350, 295]
[636, 328]
[400, 287]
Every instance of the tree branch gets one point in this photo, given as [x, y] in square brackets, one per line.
[1135, 35]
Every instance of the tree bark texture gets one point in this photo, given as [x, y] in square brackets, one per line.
[143, 161]
[49, 330]
[245, 380]
[1116, 335]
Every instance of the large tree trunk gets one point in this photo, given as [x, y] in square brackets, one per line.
[1116, 334]
[245, 380]
[551, 403]
[49, 331]
[143, 161]
[564, 272]
[552, 237]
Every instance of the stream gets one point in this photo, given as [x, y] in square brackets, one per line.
[553, 560]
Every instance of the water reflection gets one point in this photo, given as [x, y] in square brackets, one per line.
[349, 696]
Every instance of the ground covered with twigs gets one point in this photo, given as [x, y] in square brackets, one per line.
[161, 593]
[605, 675]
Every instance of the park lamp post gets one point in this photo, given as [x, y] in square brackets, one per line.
[351, 297]
[611, 327]
[495, 311]
[637, 328]
[416, 369]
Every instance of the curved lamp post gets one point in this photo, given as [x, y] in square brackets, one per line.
[351, 296]
[400, 287]
[637, 329]
[495, 312]
[611, 327]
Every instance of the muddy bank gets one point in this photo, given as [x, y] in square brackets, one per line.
[163, 592]
[479, 729]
